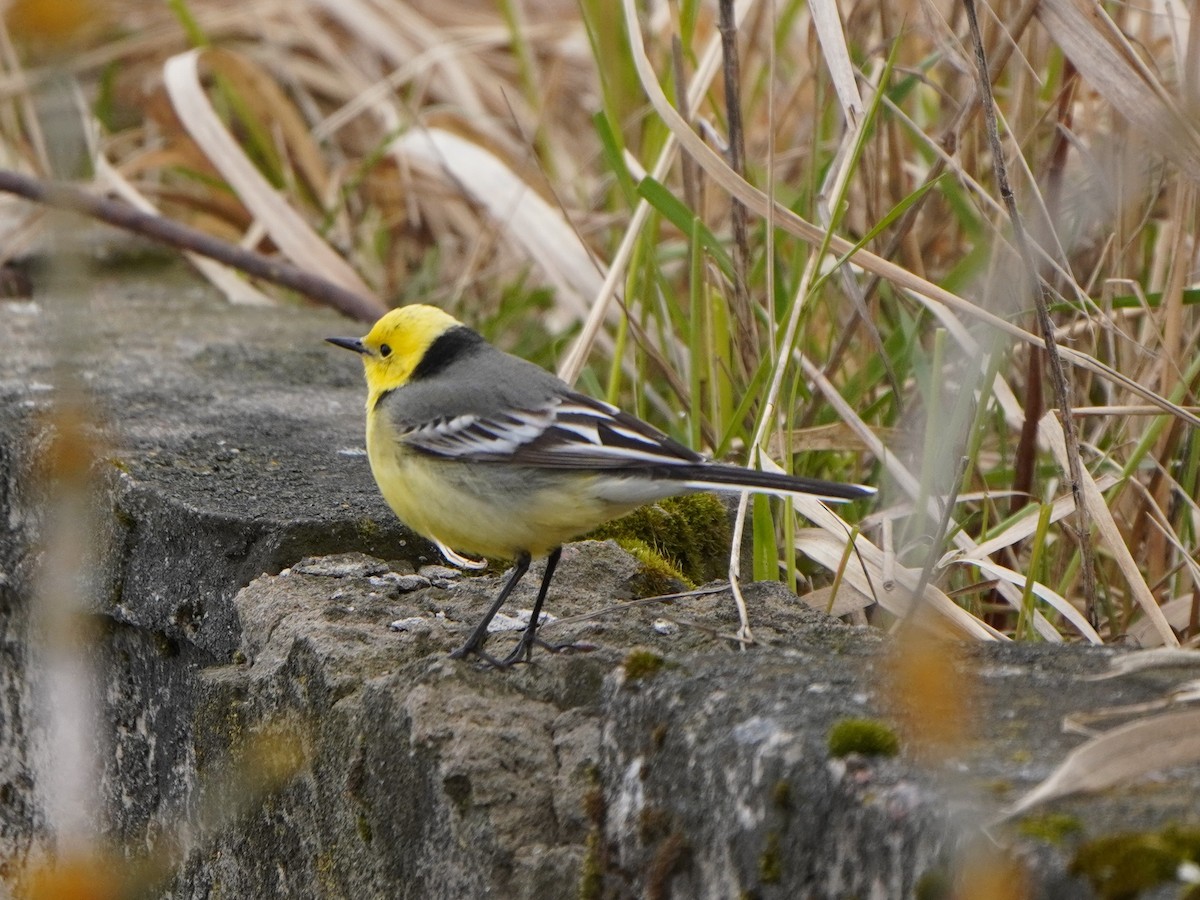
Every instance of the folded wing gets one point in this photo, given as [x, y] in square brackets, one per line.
[569, 431]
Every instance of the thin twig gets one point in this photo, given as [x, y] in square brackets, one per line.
[1026, 450]
[737, 161]
[173, 234]
[632, 604]
[1041, 296]
[1025, 454]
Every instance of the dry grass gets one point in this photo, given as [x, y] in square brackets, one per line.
[467, 154]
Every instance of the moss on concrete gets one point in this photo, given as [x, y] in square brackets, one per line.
[1127, 864]
[690, 533]
[642, 664]
[869, 737]
[1051, 828]
[770, 861]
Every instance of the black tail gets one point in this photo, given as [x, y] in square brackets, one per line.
[717, 476]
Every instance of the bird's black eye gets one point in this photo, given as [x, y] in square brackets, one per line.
[385, 351]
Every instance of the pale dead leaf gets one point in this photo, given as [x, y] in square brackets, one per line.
[525, 219]
[863, 570]
[287, 228]
[1104, 58]
[1027, 525]
[1178, 612]
[830, 33]
[1143, 660]
[1059, 603]
[1119, 756]
[1050, 430]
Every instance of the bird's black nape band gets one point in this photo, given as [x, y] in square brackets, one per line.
[383, 395]
[452, 344]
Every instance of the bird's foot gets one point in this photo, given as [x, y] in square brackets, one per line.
[521, 653]
[471, 648]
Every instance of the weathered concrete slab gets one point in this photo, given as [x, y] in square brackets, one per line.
[235, 473]
[236, 437]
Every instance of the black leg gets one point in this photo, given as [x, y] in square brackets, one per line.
[524, 649]
[475, 642]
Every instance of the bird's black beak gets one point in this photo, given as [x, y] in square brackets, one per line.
[354, 344]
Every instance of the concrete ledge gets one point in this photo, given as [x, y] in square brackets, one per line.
[251, 577]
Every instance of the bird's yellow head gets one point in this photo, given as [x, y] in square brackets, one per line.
[395, 345]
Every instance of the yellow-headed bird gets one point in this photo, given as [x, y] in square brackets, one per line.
[485, 453]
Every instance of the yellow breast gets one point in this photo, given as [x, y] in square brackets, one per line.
[484, 508]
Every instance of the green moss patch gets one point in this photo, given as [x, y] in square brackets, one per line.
[866, 736]
[690, 534]
[642, 664]
[770, 861]
[1127, 864]
[658, 574]
[1052, 828]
